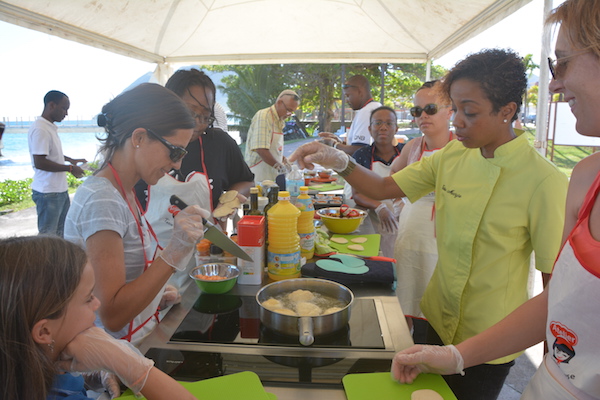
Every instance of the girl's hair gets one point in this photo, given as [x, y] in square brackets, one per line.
[145, 106]
[580, 20]
[500, 74]
[38, 277]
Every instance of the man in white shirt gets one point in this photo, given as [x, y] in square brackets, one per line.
[358, 95]
[49, 188]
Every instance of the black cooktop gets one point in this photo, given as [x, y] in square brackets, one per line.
[232, 319]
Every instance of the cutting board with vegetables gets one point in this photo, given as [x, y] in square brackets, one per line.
[371, 245]
[243, 385]
[381, 386]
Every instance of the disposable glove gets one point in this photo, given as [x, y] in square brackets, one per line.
[234, 212]
[103, 381]
[444, 360]
[94, 349]
[315, 152]
[387, 218]
[170, 297]
[281, 168]
[187, 231]
[330, 136]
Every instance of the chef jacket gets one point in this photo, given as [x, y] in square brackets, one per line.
[490, 214]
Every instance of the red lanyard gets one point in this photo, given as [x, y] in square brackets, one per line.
[373, 155]
[423, 145]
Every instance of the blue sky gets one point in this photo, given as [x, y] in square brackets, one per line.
[34, 63]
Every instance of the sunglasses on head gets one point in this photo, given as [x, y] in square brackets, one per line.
[176, 153]
[430, 109]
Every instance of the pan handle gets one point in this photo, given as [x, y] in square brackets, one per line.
[305, 327]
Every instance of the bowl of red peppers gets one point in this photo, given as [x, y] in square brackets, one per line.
[341, 219]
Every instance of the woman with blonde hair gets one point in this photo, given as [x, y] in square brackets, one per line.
[47, 312]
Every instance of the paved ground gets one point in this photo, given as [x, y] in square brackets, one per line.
[24, 223]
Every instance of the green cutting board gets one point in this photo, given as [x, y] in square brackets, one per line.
[371, 245]
[381, 386]
[243, 385]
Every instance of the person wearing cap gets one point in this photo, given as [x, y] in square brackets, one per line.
[264, 145]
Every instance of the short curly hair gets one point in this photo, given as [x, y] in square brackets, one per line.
[499, 72]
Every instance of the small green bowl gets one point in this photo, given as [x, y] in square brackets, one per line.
[229, 273]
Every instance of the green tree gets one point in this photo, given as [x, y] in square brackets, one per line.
[530, 66]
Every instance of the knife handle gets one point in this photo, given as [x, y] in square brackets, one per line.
[177, 202]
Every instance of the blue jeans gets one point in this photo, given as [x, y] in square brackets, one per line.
[52, 211]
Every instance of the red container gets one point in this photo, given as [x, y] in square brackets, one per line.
[251, 230]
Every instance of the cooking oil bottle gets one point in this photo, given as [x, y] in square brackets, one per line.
[306, 227]
[283, 255]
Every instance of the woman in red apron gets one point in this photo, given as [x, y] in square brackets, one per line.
[566, 312]
[147, 129]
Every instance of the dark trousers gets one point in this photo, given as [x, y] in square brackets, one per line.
[481, 382]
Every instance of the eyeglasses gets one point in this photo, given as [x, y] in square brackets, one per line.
[430, 109]
[348, 86]
[203, 119]
[557, 67]
[176, 153]
[378, 123]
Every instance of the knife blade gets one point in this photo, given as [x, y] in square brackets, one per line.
[212, 233]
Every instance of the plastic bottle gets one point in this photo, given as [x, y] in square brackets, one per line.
[306, 227]
[283, 256]
[293, 181]
[254, 202]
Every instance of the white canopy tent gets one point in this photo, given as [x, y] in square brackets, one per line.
[171, 33]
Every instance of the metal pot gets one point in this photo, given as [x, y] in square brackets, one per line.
[305, 327]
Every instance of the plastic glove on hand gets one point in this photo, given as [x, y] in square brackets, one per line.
[314, 152]
[187, 231]
[94, 349]
[331, 136]
[281, 168]
[443, 360]
[388, 221]
[170, 297]
[100, 381]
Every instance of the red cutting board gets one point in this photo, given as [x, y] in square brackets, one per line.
[243, 385]
[381, 386]
[371, 245]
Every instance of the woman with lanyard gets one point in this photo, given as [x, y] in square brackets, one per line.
[415, 249]
[566, 312]
[378, 157]
[213, 164]
[147, 128]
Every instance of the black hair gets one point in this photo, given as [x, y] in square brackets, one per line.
[53, 96]
[500, 74]
[182, 80]
[383, 108]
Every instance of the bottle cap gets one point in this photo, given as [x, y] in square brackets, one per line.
[284, 195]
[254, 190]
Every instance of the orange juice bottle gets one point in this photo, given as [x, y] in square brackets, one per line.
[306, 227]
[283, 255]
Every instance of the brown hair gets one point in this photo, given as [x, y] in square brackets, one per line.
[38, 277]
[580, 20]
[436, 87]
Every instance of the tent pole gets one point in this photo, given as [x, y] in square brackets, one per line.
[383, 68]
[428, 70]
[343, 114]
[541, 133]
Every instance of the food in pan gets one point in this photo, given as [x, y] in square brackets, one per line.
[306, 309]
[303, 303]
[300, 295]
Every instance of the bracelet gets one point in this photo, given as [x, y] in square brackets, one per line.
[71, 168]
[349, 168]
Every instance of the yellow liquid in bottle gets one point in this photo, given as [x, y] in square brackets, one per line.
[283, 256]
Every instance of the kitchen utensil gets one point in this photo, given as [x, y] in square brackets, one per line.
[242, 385]
[229, 273]
[305, 327]
[212, 233]
[371, 246]
[381, 386]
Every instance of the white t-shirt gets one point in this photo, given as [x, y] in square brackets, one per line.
[43, 140]
[359, 130]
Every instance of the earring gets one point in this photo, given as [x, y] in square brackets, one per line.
[505, 121]
[138, 146]
[51, 346]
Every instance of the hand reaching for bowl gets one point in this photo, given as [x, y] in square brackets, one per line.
[314, 152]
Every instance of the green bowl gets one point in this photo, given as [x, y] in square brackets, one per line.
[229, 273]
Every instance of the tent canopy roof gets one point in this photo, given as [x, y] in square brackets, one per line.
[264, 31]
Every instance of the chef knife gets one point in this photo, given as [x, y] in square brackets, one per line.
[212, 233]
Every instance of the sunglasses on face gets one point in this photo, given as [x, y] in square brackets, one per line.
[430, 109]
[176, 153]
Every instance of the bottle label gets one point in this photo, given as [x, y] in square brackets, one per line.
[284, 264]
[307, 241]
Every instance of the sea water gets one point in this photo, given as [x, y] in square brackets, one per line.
[15, 163]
